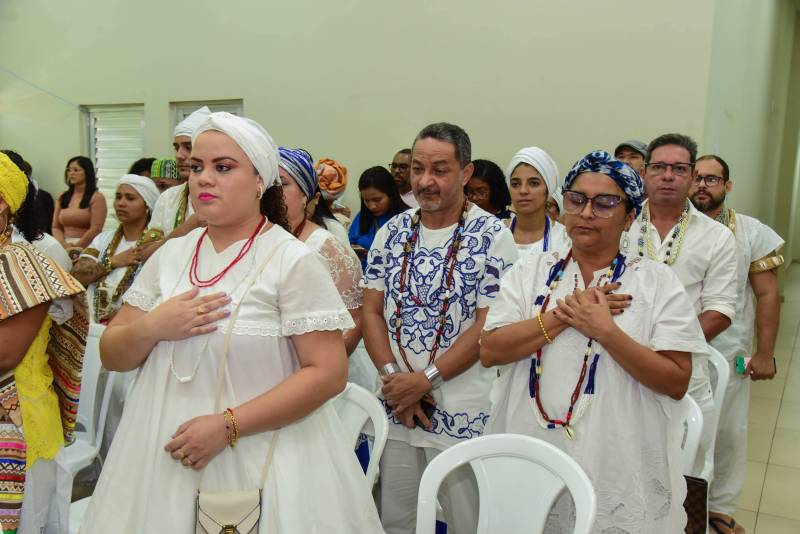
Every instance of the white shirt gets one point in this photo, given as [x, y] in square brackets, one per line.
[754, 240]
[558, 240]
[706, 266]
[628, 437]
[94, 252]
[487, 251]
[166, 209]
[409, 199]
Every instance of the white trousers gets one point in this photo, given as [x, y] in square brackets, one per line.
[705, 399]
[48, 489]
[401, 470]
[730, 452]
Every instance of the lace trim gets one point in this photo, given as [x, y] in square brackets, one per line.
[139, 300]
[327, 320]
[251, 328]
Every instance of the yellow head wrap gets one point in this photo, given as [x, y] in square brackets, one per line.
[13, 183]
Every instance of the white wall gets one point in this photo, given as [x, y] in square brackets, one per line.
[357, 79]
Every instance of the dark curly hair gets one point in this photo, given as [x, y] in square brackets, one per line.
[27, 217]
[492, 174]
[273, 207]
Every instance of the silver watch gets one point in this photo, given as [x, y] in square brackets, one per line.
[433, 376]
[389, 369]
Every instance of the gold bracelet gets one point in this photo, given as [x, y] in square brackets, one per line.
[234, 434]
[544, 331]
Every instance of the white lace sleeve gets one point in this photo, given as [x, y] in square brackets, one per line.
[345, 270]
[145, 293]
[303, 309]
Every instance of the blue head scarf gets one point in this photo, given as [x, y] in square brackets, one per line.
[300, 166]
[623, 175]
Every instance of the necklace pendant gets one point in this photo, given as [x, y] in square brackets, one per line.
[570, 432]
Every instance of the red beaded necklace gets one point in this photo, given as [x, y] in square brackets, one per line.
[447, 281]
[194, 277]
[299, 228]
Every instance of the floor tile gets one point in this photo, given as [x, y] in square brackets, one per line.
[759, 442]
[791, 392]
[768, 389]
[789, 415]
[770, 524]
[747, 519]
[781, 493]
[785, 448]
[753, 483]
[764, 411]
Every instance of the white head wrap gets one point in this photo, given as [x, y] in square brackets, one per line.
[539, 160]
[146, 188]
[252, 138]
[558, 196]
[187, 126]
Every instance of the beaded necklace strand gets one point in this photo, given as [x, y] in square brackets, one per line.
[728, 217]
[578, 402]
[546, 238]
[180, 215]
[194, 276]
[675, 239]
[447, 281]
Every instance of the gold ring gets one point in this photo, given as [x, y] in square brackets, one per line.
[200, 310]
[181, 454]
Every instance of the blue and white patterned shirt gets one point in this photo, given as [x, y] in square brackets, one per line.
[487, 251]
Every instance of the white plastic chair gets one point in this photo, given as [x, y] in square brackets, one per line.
[519, 479]
[356, 406]
[89, 429]
[693, 431]
[722, 371]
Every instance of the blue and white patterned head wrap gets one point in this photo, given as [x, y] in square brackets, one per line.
[300, 166]
[602, 162]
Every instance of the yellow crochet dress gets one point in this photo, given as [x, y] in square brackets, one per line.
[41, 419]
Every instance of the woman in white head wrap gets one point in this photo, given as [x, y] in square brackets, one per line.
[235, 330]
[108, 266]
[532, 179]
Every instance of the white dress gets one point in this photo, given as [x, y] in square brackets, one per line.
[344, 267]
[558, 240]
[629, 437]
[94, 252]
[166, 209]
[315, 483]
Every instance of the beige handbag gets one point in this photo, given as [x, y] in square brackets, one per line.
[234, 512]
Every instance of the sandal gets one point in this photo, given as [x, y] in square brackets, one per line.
[716, 521]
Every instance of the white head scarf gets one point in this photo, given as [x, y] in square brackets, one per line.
[252, 138]
[539, 160]
[146, 188]
[558, 196]
[187, 126]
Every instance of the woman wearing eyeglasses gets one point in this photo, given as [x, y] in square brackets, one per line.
[487, 188]
[532, 180]
[599, 347]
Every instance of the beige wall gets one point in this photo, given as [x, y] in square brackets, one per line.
[356, 80]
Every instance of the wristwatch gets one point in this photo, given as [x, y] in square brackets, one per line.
[433, 376]
[389, 369]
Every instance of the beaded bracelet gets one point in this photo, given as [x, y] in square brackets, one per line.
[233, 437]
[544, 330]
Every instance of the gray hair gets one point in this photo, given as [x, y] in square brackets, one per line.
[449, 133]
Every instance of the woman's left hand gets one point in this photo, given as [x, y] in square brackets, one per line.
[587, 312]
[198, 441]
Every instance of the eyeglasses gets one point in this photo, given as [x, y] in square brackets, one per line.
[399, 166]
[602, 205]
[678, 169]
[478, 194]
[709, 179]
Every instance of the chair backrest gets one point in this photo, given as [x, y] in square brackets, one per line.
[692, 430]
[519, 479]
[719, 379]
[90, 379]
[357, 407]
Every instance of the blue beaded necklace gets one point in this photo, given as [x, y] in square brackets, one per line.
[546, 245]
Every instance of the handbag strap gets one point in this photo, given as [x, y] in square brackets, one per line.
[254, 274]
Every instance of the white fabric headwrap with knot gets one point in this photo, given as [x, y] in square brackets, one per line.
[539, 160]
[252, 138]
[188, 125]
[144, 186]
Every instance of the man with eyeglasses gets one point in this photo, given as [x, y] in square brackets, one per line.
[701, 251]
[759, 304]
[401, 172]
